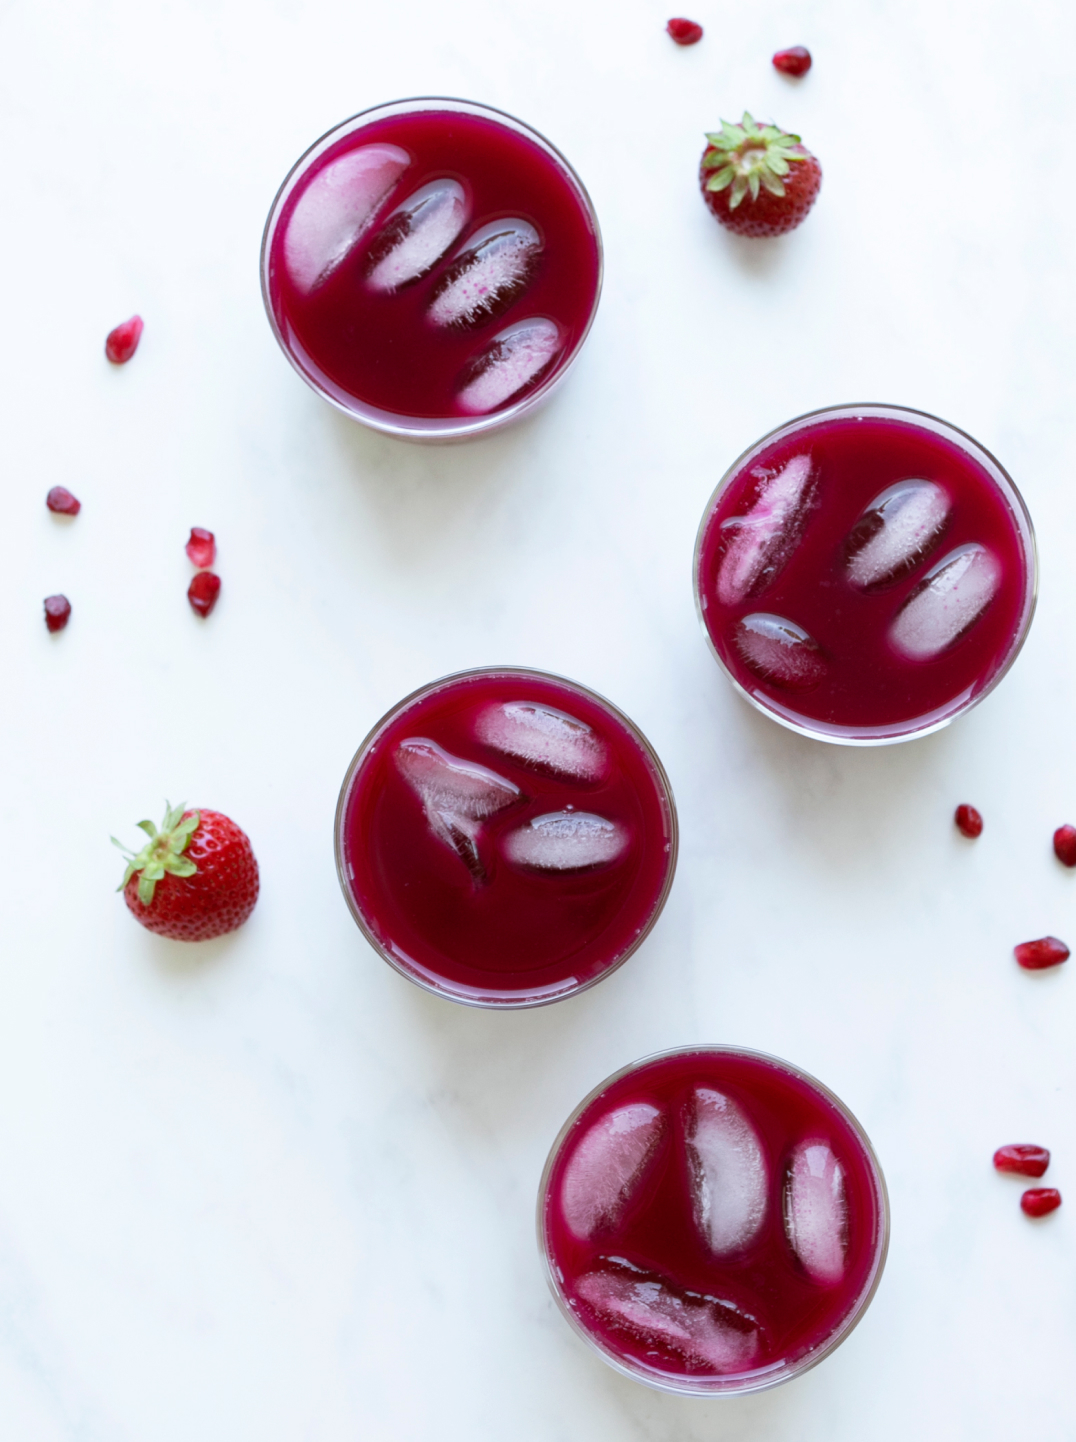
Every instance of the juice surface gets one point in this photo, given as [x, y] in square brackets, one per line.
[646, 1282]
[494, 904]
[381, 346]
[856, 676]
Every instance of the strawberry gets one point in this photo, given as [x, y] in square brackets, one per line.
[757, 179]
[194, 879]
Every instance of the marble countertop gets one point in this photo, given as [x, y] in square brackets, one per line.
[266, 1189]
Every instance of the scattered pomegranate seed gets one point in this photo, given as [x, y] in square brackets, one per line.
[969, 821]
[57, 612]
[1065, 845]
[1040, 1201]
[684, 32]
[202, 547]
[60, 500]
[1023, 1159]
[1037, 955]
[794, 61]
[123, 341]
[203, 591]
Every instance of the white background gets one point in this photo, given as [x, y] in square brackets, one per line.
[266, 1189]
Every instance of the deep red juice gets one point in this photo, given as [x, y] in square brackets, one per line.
[433, 263]
[867, 574]
[506, 837]
[713, 1220]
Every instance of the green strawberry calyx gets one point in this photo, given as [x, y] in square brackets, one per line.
[749, 157]
[162, 854]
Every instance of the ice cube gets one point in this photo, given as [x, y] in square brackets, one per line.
[607, 1166]
[416, 235]
[948, 603]
[895, 534]
[495, 269]
[456, 795]
[729, 1182]
[336, 207]
[546, 739]
[705, 1332]
[515, 358]
[816, 1211]
[779, 652]
[566, 841]
[757, 545]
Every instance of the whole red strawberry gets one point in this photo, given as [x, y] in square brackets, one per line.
[757, 179]
[194, 879]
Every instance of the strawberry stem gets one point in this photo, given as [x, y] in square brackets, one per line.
[749, 157]
[163, 853]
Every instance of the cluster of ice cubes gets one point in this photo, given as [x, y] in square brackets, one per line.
[732, 1191]
[458, 795]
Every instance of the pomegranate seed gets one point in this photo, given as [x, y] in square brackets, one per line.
[684, 32]
[202, 547]
[1065, 845]
[794, 61]
[57, 612]
[1040, 1201]
[1023, 1159]
[1037, 955]
[203, 591]
[969, 821]
[123, 341]
[60, 500]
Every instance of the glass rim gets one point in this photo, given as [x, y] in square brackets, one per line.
[943, 716]
[506, 1002]
[430, 428]
[774, 1375]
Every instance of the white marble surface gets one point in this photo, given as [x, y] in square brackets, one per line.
[264, 1188]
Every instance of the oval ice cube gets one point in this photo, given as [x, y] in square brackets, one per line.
[895, 534]
[566, 841]
[333, 211]
[816, 1211]
[416, 235]
[456, 796]
[778, 651]
[495, 269]
[758, 544]
[950, 600]
[728, 1170]
[547, 739]
[515, 359]
[703, 1331]
[607, 1166]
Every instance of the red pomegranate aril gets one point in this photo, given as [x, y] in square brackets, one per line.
[122, 342]
[684, 32]
[796, 60]
[1065, 845]
[57, 612]
[969, 821]
[1038, 955]
[1040, 1201]
[203, 591]
[60, 500]
[1023, 1159]
[202, 547]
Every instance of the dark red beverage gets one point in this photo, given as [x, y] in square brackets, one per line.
[866, 573]
[505, 838]
[713, 1221]
[432, 267]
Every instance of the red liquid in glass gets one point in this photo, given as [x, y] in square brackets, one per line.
[849, 637]
[369, 320]
[691, 1273]
[507, 839]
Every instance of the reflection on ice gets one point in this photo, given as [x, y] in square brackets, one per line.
[896, 533]
[547, 739]
[492, 273]
[416, 235]
[728, 1169]
[816, 1211]
[948, 603]
[566, 841]
[757, 545]
[456, 796]
[607, 1165]
[516, 358]
[779, 652]
[335, 208]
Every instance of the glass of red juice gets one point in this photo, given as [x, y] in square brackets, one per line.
[432, 267]
[865, 574]
[505, 838]
[713, 1221]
